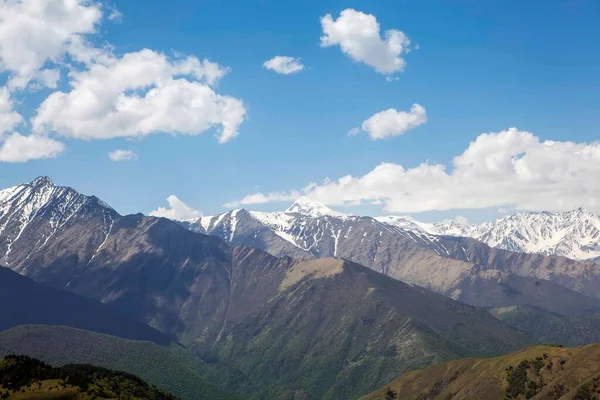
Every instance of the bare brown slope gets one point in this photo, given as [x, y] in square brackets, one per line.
[541, 372]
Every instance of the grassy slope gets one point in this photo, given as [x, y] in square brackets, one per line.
[562, 373]
[170, 368]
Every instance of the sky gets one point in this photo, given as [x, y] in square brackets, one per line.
[440, 109]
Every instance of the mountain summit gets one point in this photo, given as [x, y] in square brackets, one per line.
[310, 208]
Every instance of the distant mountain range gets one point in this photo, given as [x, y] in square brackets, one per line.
[445, 264]
[572, 234]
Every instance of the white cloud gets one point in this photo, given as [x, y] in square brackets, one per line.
[19, 148]
[34, 32]
[9, 118]
[511, 168]
[177, 210]
[391, 122]
[138, 94]
[284, 65]
[358, 35]
[115, 15]
[260, 198]
[462, 220]
[122, 155]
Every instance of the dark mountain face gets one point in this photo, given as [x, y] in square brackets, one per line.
[23, 301]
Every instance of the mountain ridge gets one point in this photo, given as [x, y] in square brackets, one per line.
[220, 297]
[573, 234]
[442, 263]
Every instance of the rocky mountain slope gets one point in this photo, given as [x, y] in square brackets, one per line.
[222, 300]
[336, 327]
[445, 264]
[541, 372]
[572, 234]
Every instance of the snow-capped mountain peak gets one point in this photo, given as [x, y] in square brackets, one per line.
[310, 208]
[43, 207]
[41, 181]
[573, 234]
[408, 223]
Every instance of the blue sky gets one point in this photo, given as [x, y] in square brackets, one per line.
[475, 66]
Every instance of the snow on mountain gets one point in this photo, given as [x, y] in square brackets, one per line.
[311, 208]
[572, 234]
[444, 228]
[409, 223]
[26, 205]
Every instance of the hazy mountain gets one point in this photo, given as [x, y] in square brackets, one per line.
[23, 301]
[541, 372]
[572, 234]
[550, 327]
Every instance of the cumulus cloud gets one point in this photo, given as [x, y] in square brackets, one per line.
[9, 118]
[139, 94]
[122, 155]
[358, 35]
[177, 210]
[18, 148]
[510, 169]
[284, 65]
[34, 33]
[261, 198]
[391, 122]
[132, 95]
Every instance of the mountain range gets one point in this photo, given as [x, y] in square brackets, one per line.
[445, 264]
[572, 234]
[301, 304]
[313, 326]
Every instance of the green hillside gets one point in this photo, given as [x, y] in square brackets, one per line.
[170, 368]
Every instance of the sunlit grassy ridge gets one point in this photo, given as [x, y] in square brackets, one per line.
[540, 372]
